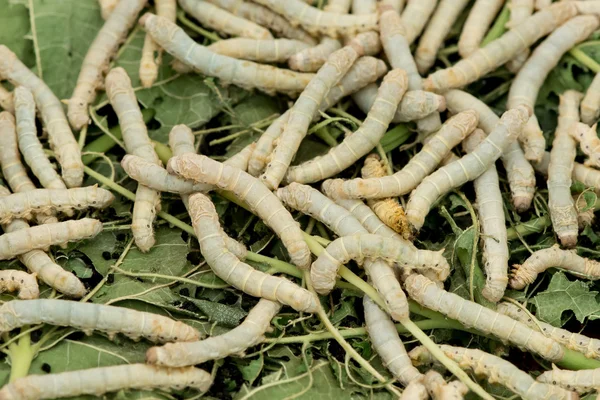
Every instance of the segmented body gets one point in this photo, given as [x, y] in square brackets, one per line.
[588, 142]
[478, 22]
[590, 105]
[151, 52]
[582, 381]
[267, 51]
[12, 280]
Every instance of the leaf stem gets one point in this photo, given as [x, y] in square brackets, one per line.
[584, 59]
[498, 28]
[21, 356]
[185, 21]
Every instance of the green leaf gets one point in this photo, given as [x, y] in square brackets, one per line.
[222, 314]
[251, 370]
[100, 250]
[588, 231]
[14, 20]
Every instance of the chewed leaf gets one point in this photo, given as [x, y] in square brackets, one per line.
[220, 313]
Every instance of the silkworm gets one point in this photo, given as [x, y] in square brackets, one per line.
[12, 169]
[361, 7]
[588, 142]
[6, 99]
[470, 314]
[478, 22]
[585, 215]
[575, 341]
[590, 105]
[520, 10]
[61, 139]
[249, 190]
[98, 56]
[587, 7]
[313, 58]
[360, 142]
[42, 236]
[452, 132]
[539, 4]
[527, 83]
[415, 391]
[493, 225]
[303, 112]
[97, 381]
[149, 63]
[235, 272]
[442, 20]
[317, 22]
[338, 6]
[107, 7]
[590, 177]
[439, 389]
[269, 50]
[12, 280]
[397, 5]
[245, 74]
[498, 370]
[501, 50]
[583, 381]
[265, 145]
[29, 144]
[249, 333]
[415, 17]
[521, 177]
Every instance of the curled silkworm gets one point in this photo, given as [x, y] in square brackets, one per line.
[249, 333]
[478, 22]
[265, 144]
[151, 53]
[245, 74]
[97, 381]
[107, 7]
[590, 105]
[269, 50]
[313, 58]
[439, 389]
[583, 381]
[588, 142]
[541, 260]
[520, 10]
[237, 273]
[60, 137]
[452, 132]
[12, 280]
[12, 169]
[470, 314]
[415, 17]
[249, 190]
[98, 56]
[6, 99]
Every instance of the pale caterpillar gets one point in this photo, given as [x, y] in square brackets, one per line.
[473, 315]
[316, 21]
[12, 280]
[439, 389]
[60, 137]
[107, 7]
[223, 21]
[562, 158]
[313, 58]
[587, 7]
[338, 6]
[497, 370]
[501, 50]
[265, 144]
[590, 105]
[97, 381]
[415, 104]
[415, 391]
[438, 27]
[539, 4]
[249, 333]
[304, 110]
[478, 22]
[397, 5]
[235, 272]
[493, 225]
[585, 215]
[249, 190]
[245, 74]
[582, 381]
[588, 141]
[541, 260]
[590, 177]
[268, 51]
[360, 142]
[589, 347]
[526, 85]
[42, 236]
[415, 17]
[368, 43]
[452, 133]
[135, 135]
[521, 177]
[29, 144]
[520, 10]
[6, 99]
[12, 169]
[150, 62]
[98, 56]
[361, 7]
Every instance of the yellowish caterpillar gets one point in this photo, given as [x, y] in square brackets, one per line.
[245, 74]
[583, 381]
[452, 132]
[249, 333]
[519, 171]
[590, 105]
[6, 99]
[527, 83]
[588, 142]
[361, 7]
[520, 10]
[249, 190]
[151, 53]
[102, 49]
[493, 225]
[338, 6]
[478, 22]
[539, 4]
[415, 391]
[360, 142]
[235, 272]
[313, 58]
[107, 7]
[268, 51]
[12, 280]
[501, 50]
[415, 17]
[587, 7]
[97, 381]
[12, 169]
[470, 314]
[61, 138]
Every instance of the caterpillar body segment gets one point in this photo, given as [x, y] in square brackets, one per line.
[6, 100]
[415, 17]
[590, 105]
[12, 280]
[415, 391]
[520, 10]
[583, 381]
[60, 137]
[338, 6]
[367, 43]
[588, 141]
[477, 24]
[438, 388]
[261, 50]
[590, 177]
[313, 58]
[265, 145]
[151, 53]
[361, 7]
[107, 7]
[397, 5]
[249, 333]
[12, 169]
[97, 381]
[98, 56]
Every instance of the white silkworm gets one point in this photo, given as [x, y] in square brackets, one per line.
[590, 105]
[497, 370]
[269, 50]
[98, 56]
[6, 99]
[415, 391]
[12, 169]
[61, 138]
[338, 6]
[588, 142]
[521, 177]
[520, 10]
[590, 177]
[360, 142]
[235, 272]
[12, 280]
[265, 144]
[582, 381]
[30, 146]
[397, 5]
[439, 389]
[249, 190]
[42, 236]
[107, 7]
[150, 61]
[313, 58]
[97, 381]
[415, 17]
[452, 132]
[470, 314]
[249, 333]
[541, 260]
[442, 20]
[529, 80]
[539, 4]
[587, 7]
[501, 50]
[493, 225]
[361, 7]
[478, 22]
[316, 21]
[245, 74]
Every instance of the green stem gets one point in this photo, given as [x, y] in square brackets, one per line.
[498, 28]
[21, 356]
[584, 59]
[186, 22]
[326, 137]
